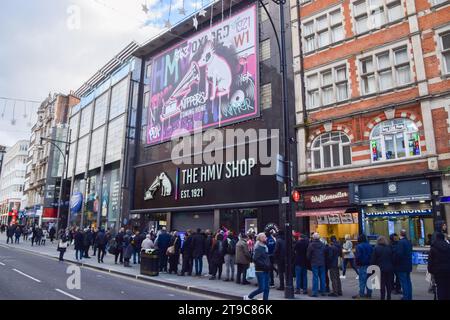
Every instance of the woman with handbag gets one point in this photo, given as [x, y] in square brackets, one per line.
[62, 246]
[348, 256]
[174, 252]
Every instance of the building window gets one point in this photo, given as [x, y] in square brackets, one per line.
[326, 86]
[330, 150]
[445, 51]
[323, 30]
[97, 145]
[100, 110]
[85, 124]
[262, 13]
[148, 71]
[264, 50]
[394, 139]
[373, 14]
[115, 140]
[266, 96]
[385, 70]
[118, 99]
[437, 2]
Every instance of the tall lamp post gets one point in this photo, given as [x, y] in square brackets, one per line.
[65, 155]
[281, 42]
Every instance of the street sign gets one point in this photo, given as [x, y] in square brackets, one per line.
[285, 200]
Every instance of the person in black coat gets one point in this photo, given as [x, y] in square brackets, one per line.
[78, 244]
[162, 243]
[382, 256]
[279, 255]
[175, 241]
[128, 248]
[333, 253]
[118, 254]
[301, 264]
[208, 245]
[403, 264]
[87, 242]
[396, 286]
[51, 233]
[217, 257]
[186, 251]
[10, 234]
[198, 245]
[17, 234]
[100, 242]
[439, 266]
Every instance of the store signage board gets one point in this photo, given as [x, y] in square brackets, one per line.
[208, 80]
[445, 199]
[407, 212]
[326, 198]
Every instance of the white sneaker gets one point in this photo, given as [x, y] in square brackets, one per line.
[357, 278]
[246, 297]
[342, 277]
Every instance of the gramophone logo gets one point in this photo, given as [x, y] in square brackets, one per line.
[162, 182]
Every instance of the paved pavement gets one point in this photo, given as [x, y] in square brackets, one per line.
[201, 285]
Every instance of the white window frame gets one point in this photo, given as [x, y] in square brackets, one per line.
[330, 143]
[369, 13]
[319, 71]
[329, 27]
[380, 137]
[393, 67]
[439, 33]
[435, 3]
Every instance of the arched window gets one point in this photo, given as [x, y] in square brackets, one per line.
[394, 139]
[331, 149]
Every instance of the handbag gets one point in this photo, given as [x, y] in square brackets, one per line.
[251, 274]
[171, 250]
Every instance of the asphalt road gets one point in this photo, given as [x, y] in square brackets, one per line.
[28, 276]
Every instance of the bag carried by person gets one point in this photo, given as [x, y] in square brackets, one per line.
[112, 247]
[171, 250]
[251, 273]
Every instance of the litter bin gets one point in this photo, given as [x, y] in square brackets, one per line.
[150, 262]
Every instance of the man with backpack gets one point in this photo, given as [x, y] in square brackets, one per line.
[230, 254]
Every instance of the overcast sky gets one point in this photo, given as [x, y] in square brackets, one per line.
[56, 45]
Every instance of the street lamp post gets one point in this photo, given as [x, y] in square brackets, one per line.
[289, 287]
[61, 186]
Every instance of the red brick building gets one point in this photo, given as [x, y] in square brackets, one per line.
[374, 115]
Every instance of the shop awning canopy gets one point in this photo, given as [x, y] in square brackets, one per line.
[321, 212]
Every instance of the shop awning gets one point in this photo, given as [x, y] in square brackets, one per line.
[321, 212]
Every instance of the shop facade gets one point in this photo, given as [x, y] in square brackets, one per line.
[329, 212]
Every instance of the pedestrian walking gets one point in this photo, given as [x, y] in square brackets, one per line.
[363, 255]
[198, 245]
[52, 233]
[25, 232]
[2, 228]
[439, 266]
[217, 257]
[271, 241]
[162, 243]
[403, 262]
[100, 242]
[334, 251]
[262, 268]
[301, 265]
[127, 248]
[33, 235]
[243, 259]
[316, 255]
[382, 256]
[396, 286]
[208, 244]
[17, 234]
[87, 242]
[279, 255]
[10, 234]
[230, 256]
[186, 251]
[78, 244]
[94, 243]
[348, 256]
[62, 246]
[118, 253]
[174, 253]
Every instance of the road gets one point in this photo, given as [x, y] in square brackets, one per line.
[28, 276]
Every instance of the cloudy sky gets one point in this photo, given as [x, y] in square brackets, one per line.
[55, 45]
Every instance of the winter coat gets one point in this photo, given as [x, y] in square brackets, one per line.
[439, 258]
[52, 232]
[101, 240]
[17, 232]
[300, 249]
[230, 245]
[162, 242]
[187, 248]
[147, 244]
[208, 245]
[198, 245]
[333, 252]
[119, 240]
[87, 236]
[10, 231]
[316, 253]
[279, 253]
[243, 255]
[78, 238]
[217, 253]
[363, 254]
[175, 240]
[383, 257]
[261, 258]
[128, 247]
[137, 242]
[348, 246]
[271, 242]
[403, 256]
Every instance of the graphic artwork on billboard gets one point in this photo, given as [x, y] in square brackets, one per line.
[210, 80]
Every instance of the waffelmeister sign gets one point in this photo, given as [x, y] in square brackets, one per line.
[208, 80]
[326, 198]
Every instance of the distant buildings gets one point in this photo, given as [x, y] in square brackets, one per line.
[12, 181]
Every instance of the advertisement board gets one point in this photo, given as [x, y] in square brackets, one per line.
[206, 81]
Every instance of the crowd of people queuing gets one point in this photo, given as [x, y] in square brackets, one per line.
[263, 255]
[37, 235]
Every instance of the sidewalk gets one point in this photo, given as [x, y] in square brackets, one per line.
[217, 288]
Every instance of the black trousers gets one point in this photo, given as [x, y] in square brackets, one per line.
[173, 263]
[86, 251]
[386, 281]
[442, 286]
[119, 254]
[241, 273]
[187, 265]
[7, 239]
[217, 268]
[271, 276]
[163, 262]
[396, 286]
[61, 254]
[101, 253]
[281, 270]
[335, 280]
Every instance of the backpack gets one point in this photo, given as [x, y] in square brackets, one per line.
[112, 246]
[231, 246]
